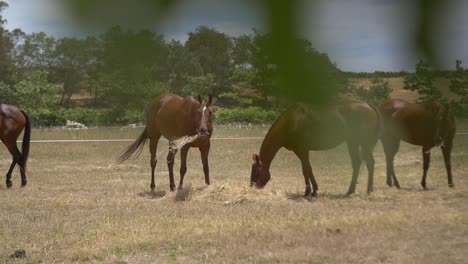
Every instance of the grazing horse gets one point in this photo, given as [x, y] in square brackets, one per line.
[173, 117]
[303, 128]
[12, 123]
[429, 125]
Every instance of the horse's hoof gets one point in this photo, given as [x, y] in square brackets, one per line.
[9, 185]
[451, 185]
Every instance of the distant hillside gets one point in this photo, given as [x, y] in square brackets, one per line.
[397, 83]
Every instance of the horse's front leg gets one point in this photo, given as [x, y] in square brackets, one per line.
[309, 177]
[426, 161]
[170, 166]
[183, 164]
[204, 151]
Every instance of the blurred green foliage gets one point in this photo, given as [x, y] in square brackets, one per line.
[123, 69]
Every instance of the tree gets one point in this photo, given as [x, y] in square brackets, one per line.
[180, 64]
[422, 81]
[211, 48]
[5, 46]
[267, 70]
[459, 86]
[242, 52]
[72, 61]
[35, 52]
[376, 93]
[32, 92]
[131, 66]
[198, 85]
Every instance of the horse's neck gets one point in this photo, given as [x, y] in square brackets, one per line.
[271, 144]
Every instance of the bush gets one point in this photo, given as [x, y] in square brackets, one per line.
[253, 115]
[116, 116]
[376, 94]
[88, 117]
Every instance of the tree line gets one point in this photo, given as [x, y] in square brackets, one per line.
[128, 67]
[124, 69]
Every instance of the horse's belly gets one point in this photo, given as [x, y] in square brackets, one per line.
[323, 139]
[416, 134]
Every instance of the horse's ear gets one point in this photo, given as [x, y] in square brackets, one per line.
[199, 99]
[210, 100]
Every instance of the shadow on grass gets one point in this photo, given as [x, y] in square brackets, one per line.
[299, 197]
[152, 195]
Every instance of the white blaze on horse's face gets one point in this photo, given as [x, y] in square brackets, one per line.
[203, 124]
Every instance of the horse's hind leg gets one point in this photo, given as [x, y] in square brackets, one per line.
[153, 161]
[10, 171]
[391, 146]
[353, 149]
[370, 163]
[15, 153]
[426, 161]
[170, 166]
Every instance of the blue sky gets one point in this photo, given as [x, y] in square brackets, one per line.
[358, 35]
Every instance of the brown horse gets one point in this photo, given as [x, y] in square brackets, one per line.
[173, 117]
[12, 123]
[428, 125]
[303, 128]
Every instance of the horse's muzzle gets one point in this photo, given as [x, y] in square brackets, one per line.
[203, 132]
[257, 185]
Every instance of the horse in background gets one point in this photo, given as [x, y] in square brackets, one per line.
[304, 127]
[174, 117]
[429, 125]
[12, 122]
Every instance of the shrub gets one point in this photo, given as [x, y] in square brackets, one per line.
[377, 92]
[88, 117]
[253, 115]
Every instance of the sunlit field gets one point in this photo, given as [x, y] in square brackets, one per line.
[80, 205]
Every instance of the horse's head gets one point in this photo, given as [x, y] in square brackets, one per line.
[203, 117]
[260, 174]
[443, 123]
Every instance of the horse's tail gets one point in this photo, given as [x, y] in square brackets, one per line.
[26, 141]
[135, 146]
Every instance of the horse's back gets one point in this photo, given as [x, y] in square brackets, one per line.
[411, 122]
[362, 121]
[167, 115]
[325, 127]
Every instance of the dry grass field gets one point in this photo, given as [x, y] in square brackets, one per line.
[81, 206]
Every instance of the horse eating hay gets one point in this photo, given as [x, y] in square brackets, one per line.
[304, 127]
